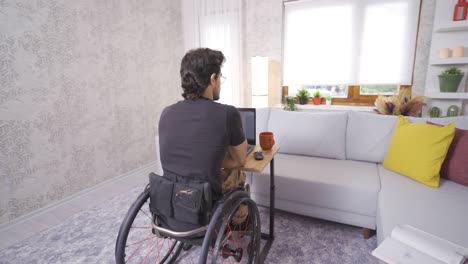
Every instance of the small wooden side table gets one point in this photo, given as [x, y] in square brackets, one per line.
[253, 165]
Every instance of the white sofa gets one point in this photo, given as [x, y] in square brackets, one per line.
[329, 167]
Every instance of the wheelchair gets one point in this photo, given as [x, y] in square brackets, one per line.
[141, 239]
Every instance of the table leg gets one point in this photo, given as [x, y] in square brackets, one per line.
[272, 198]
[270, 235]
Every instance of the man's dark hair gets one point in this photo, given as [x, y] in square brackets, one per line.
[196, 68]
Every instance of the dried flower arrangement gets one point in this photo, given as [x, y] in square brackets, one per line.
[400, 104]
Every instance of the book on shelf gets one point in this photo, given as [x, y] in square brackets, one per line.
[409, 245]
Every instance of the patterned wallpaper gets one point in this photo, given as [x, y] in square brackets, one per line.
[82, 86]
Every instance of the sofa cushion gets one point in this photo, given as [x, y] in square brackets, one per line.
[344, 185]
[442, 211]
[417, 119]
[262, 115]
[418, 150]
[368, 136]
[311, 134]
[455, 167]
[460, 121]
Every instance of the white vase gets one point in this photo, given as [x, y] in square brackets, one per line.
[328, 102]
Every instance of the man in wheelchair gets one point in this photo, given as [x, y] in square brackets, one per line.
[201, 143]
[201, 199]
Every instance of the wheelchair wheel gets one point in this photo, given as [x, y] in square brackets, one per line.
[230, 239]
[136, 242]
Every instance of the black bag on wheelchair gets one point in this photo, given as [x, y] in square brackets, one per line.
[179, 206]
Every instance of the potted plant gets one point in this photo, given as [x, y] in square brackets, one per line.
[317, 99]
[450, 79]
[328, 100]
[289, 104]
[303, 96]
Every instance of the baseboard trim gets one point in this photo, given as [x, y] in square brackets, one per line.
[16, 231]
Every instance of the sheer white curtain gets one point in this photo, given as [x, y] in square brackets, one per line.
[352, 42]
[216, 24]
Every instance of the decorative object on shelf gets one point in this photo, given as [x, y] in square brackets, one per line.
[460, 11]
[450, 79]
[328, 100]
[434, 111]
[458, 52]
[444, 53]
[289, 104]
[317, 99]
[453, 110]
[400, 104]
[303, 96]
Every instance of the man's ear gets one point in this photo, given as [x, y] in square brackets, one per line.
[213, 79]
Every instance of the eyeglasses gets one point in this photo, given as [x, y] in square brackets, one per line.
[223, 78]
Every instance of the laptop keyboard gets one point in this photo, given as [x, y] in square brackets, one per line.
[249, 148]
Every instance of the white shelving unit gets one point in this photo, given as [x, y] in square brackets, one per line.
[439, 95]
[446, 34]
[452, 26]
[450, 61]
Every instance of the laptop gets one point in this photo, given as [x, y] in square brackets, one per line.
[248, 117]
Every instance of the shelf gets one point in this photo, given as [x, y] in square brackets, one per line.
[449, 61]
[453, 26]
[439, 95]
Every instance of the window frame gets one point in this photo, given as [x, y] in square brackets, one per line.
[354, 98]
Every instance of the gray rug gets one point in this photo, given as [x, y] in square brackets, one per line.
[89, 237]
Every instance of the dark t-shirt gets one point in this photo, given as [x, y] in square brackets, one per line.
[193, 139]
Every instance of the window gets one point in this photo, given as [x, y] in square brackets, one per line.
[325, 90]
[368, 44]
[378, 89]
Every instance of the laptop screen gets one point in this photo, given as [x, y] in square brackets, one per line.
[248, 123]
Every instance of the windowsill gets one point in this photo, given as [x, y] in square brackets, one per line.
[332, 107]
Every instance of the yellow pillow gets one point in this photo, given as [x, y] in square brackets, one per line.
[418, 150]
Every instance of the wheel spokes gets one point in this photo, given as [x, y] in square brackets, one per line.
[146, 245]
[235, 241]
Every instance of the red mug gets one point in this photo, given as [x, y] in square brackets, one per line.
[266, 140]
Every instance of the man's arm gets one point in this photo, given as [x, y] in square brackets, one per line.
[237, 147]
[236, 156]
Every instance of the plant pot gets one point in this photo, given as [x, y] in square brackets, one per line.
[317, 100]
[453, 110]
[328, 102]
[449, 83]
[303, 101]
